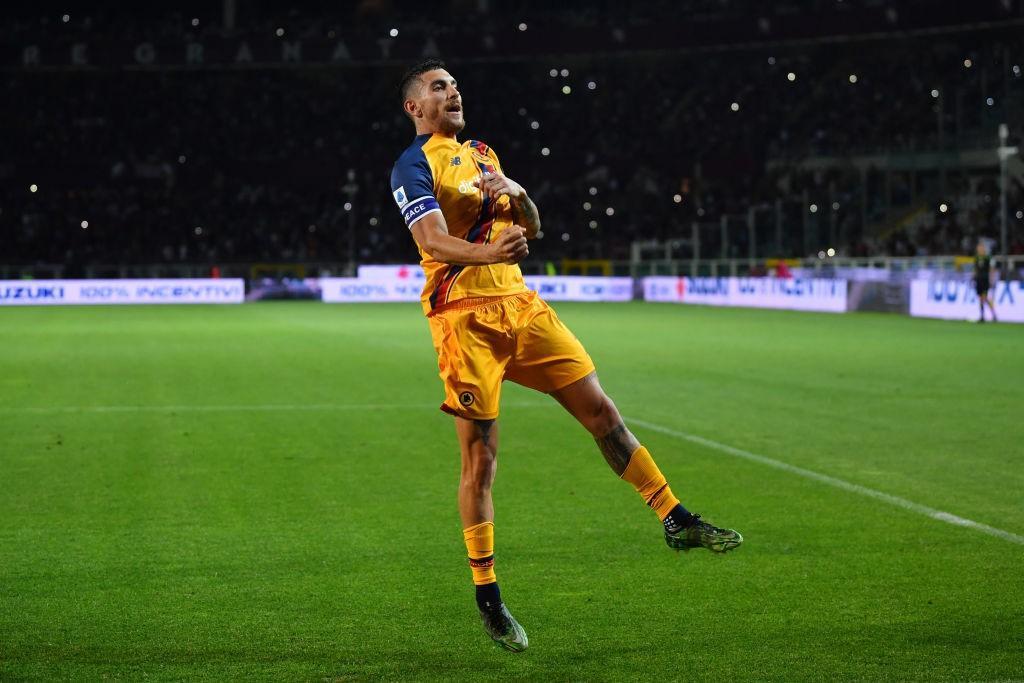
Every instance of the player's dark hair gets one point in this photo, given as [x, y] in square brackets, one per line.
[415, 72]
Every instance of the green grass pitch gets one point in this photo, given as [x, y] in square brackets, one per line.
[267, 492]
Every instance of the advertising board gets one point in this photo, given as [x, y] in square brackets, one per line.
[149, 291]
[405, 283]
[798, 294]
[958, 300]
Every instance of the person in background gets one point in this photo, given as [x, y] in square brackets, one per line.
[984, 276]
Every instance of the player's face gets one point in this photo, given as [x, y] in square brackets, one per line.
[441, 103]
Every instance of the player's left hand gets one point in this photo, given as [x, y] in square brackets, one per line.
[495, 185]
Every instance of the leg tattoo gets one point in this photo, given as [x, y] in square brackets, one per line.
[617, 446]
[483, 427]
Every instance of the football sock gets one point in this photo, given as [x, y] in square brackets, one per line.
[480, 544]
[679, 519]
[650, 483]
[488, 597]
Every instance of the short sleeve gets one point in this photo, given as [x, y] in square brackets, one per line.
[412, 186]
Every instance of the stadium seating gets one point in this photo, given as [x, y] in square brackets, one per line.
[291, 164]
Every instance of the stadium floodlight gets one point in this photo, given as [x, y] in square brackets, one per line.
[33, 188]
[522, 26]
[791, 76]
[393, 33]
[85, 225]
[943, 208]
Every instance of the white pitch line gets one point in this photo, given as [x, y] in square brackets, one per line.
[939, 515]
[214, 408]
[283, 407]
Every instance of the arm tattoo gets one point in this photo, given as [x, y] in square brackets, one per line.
[525, 214]
[483, 427]
[617, 446]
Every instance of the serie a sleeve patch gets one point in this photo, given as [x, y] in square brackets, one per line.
[412, 186]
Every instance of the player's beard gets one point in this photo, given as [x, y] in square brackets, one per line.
[450, 127]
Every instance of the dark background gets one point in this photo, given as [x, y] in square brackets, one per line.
[229, 133]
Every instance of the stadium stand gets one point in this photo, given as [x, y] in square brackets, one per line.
[879, 140]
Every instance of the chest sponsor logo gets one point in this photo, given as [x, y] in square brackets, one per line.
[467, 187]
[400, 198]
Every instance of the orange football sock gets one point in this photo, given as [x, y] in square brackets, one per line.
[650, 483]
[480, 544]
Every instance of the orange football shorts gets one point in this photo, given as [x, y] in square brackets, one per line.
[482, 341]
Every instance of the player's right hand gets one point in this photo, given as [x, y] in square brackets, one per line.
[511, 246]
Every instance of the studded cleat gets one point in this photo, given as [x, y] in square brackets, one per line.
[504, 630]
[700, 534]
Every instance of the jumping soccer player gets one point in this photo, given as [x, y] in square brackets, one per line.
[471, 224]
[983, 281]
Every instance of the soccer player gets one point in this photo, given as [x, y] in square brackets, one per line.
[471, 224]
[983, 281]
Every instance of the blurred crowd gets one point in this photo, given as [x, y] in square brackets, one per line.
[110, 166]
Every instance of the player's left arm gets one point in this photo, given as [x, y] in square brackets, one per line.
[524, 211]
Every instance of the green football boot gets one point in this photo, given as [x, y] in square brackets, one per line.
[703, 535]
[504, 630]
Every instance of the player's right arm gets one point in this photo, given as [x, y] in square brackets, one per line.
[431, 234]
